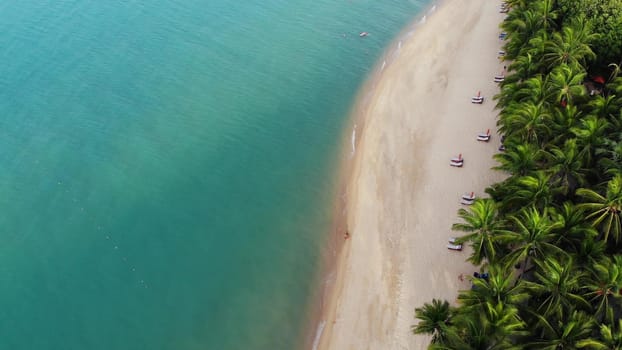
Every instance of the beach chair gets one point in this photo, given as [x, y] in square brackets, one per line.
[467, 201]
[499, 78]
[500, 54]
[457, 247]
[469, 196]
[478, 99]
[457, 161]
[484, 137]
[501, 148]
[503, 35]
[452, 240]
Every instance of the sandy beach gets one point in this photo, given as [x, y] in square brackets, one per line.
[402, 196]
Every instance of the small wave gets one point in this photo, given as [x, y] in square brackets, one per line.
[399, 45]
[432, 9]
[318, 335]
[384, 64]
[423, 19]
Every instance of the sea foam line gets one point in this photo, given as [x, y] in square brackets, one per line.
[353, 141]
[318, 335]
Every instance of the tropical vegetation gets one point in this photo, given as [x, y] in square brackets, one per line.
[548, 241]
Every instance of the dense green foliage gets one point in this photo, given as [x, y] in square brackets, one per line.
[549, 236]
[606, 19]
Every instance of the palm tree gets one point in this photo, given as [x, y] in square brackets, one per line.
[521, 26]
[491, 329]
[590, 136]
[560, 333]
[524, 66]
[538, 90]
[532, 236]
[610, 156]
[434, 320]
[589, 251]
[557, 286]
[526, 121]
[566, 165]
[610, 338]
[615, 71]
[567, 84]
[605, 106]
[564, 119]
[530, 190]
[571, 46]
[605, 210]
[573, 229]
[499, 287]
[481, 223]
[603, 284]
[545, 13]
[519, 159]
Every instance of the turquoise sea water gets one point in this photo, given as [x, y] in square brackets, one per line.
[167, 167]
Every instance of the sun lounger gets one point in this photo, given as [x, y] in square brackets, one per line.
[467, 201]
[503, 35]
[502, 148]
[499, 78]
[457, 247]
[479, 99]
[457, 162]
[484, 137]
[469, 196]
[452, 240]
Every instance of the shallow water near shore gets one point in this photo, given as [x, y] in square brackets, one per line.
[167, 168]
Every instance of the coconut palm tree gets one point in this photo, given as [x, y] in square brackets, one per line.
[610, 156]
[564, 119]
[570, 46]
[573, 229]
[567, 84]
[531, 237]
[482, 224]
[610, 338]
[603, 284]
[491, 329]
[434, 320]
[605, 106]
[589, 251]
[563, 333]
[535, 190]
[557, 286]
[524, 66]
[566, 166]
[519, 159]
[590, 135]
[604, 211]
[499, 287]
[546, 13]
[526, 121]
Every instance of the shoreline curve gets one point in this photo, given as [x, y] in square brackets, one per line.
[411, 116]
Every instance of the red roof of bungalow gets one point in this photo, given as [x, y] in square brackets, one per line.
[599, 79]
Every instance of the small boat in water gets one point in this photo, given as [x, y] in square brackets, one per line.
[363, 34]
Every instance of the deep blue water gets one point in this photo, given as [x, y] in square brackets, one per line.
[167, 167]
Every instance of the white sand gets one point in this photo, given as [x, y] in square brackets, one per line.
[403, 195]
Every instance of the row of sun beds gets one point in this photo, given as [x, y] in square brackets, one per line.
[469, 198]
